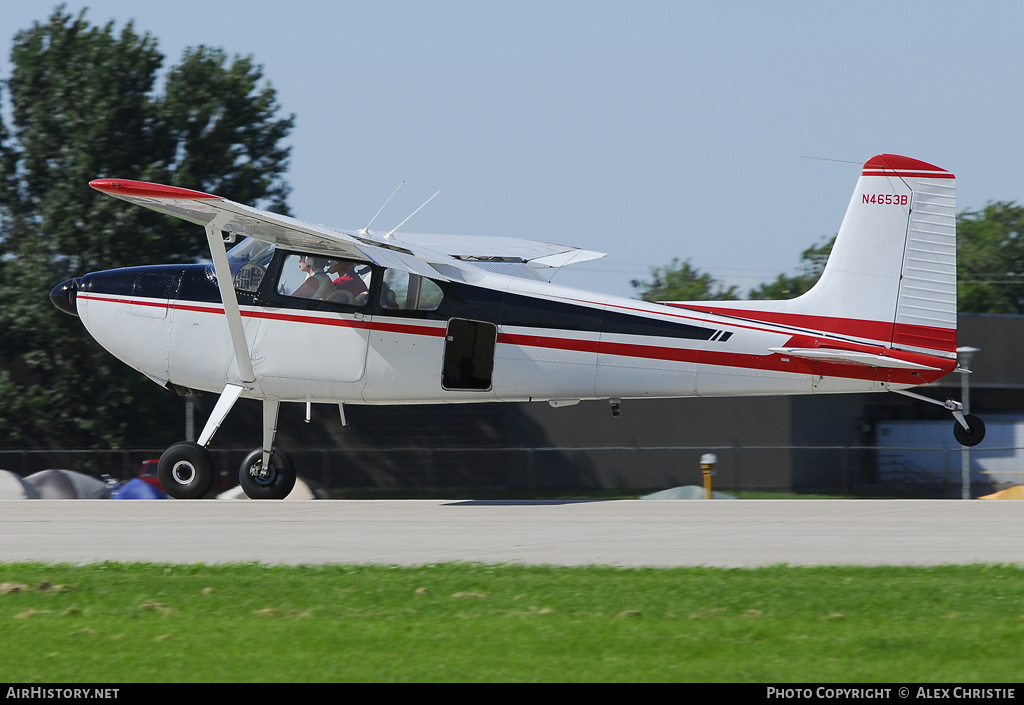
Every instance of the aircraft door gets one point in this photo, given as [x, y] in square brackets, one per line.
[314, 329]
[406, 340]
[468, 355]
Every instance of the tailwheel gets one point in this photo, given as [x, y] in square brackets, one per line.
[185, 470]
[973, 434]
[272, 482]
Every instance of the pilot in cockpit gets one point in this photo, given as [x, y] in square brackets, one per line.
[317, 284]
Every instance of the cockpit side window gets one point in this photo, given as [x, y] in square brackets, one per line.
[338, 281]
[405, 291]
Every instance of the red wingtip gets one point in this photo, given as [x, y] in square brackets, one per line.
[125, 187]
[894, 164]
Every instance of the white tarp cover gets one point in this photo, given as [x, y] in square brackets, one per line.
[686, 492]
[13, 486]
[67, 484]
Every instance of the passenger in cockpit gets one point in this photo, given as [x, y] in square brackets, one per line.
[347, 277]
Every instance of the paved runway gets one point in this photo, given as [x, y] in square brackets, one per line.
[742, 533]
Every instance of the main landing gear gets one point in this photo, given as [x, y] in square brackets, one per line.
[968, 430]
[186, 469]
[266, 480]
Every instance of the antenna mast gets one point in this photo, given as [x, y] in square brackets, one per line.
[366, 230]
[411, 215]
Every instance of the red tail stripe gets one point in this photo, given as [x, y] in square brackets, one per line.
[940, 339]
[896, 165]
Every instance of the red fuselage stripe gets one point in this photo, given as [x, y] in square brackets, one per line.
[770, 362]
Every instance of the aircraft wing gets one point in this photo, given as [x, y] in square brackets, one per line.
[413, 253]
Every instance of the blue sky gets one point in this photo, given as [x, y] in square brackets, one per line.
[647, 130]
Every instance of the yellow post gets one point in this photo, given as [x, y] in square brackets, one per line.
[707, 466]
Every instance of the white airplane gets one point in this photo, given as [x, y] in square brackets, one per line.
[304, 313]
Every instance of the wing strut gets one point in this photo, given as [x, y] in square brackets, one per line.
[227, 294]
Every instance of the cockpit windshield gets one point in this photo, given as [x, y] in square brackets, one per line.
[250, 251]
[248, 261]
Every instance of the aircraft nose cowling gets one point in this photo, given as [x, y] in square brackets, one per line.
[64, 295]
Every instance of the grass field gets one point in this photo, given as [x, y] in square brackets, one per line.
[131, 623]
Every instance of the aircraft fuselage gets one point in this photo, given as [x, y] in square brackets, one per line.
[499, 339]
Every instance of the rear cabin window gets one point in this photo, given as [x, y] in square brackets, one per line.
[404, 291]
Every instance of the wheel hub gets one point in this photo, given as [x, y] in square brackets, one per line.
[183, 472]
[273, 478]
[263, 475]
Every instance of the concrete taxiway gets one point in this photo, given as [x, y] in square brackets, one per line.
[627, 533]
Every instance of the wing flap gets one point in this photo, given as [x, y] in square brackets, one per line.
[477, 247]
[394, 259]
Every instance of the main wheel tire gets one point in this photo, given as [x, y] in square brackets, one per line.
[185, 471]
[276, 482]
[972, 436]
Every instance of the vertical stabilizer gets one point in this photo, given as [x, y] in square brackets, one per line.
[894, 259]
[891, 276]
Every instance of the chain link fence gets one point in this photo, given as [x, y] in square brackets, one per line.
[530, 472]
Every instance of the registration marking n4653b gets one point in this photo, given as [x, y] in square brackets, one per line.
[885, 199]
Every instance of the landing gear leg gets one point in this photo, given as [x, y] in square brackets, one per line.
[266, 474]
[968, 430]
[185, 469]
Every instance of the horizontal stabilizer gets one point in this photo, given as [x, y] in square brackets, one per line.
[852, 357]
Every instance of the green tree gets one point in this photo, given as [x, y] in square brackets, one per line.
[990, 259]
[990, 267]
[83, 105]
[681, 281]
[785, 286]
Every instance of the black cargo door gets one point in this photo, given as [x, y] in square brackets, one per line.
[468, 354]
